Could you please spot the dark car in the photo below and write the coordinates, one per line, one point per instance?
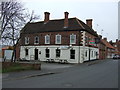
(116, 57)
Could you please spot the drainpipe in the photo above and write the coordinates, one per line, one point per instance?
(79, 48)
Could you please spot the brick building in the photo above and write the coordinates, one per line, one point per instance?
(61, 40)
(102, 49)
(116, 45)
(109, 50)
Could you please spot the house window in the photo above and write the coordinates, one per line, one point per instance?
(26, 40)
(47, 53)
(47, 39)
(115, 45)
(72, 39)
(26, 52)
(36, 40)
(57, 52)
(86, 53)
(58, 39)
(72, 54)
(92, 53)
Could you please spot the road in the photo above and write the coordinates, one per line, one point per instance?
(100, 75)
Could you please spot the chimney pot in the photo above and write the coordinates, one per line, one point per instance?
(46, 19)
(89, 22)
(116, 40)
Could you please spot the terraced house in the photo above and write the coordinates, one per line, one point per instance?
(60, 40)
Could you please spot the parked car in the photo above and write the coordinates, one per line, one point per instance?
(116, 57)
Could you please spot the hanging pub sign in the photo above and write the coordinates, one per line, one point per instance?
(97, 40)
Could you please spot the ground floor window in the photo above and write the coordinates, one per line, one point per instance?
(47, 53)
(26, 52)
(72, 54)
(86, 53)
(57, 52)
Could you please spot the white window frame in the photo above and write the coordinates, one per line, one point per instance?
(71, 39)
(26, 40)
(47, 36)
(35, 40)
(56, 41)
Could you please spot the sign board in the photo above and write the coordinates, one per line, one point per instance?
(97, 40)
(64, 47)
(8, 54)
(91, 42)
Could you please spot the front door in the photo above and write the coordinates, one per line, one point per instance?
(36, 54)
(89, 55)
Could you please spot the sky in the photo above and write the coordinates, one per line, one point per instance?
(103, 12)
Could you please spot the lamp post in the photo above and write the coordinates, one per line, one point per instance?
(102, 31)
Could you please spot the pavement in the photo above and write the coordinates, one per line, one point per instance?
(46, 69)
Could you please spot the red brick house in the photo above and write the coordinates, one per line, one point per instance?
(110, 50)
(61, 40)
(116, 45)
(102, 49)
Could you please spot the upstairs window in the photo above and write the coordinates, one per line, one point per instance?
(26, 40)
(36, 40)
(72, 54)
(57, 52)
(58, 39)
(47, 53)
(47, 39)
(72, 39)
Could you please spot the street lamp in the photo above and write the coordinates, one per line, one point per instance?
(102, 31)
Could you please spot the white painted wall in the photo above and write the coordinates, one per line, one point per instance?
(65, 53)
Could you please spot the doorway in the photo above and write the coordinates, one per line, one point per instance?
(89, 54)
(36, 54)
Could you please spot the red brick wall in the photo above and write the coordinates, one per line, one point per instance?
(65, 39)
(102, 51)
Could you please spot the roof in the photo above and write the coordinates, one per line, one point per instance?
(107, 44)
(57, 25)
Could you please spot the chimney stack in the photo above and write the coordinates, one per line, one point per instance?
(100, 36)
(116, 40)
(46, 19)
(105, 39)
(66, 19)
(89, 22)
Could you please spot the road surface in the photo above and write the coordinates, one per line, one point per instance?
(99, 75)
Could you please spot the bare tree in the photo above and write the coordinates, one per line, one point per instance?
(13, 17)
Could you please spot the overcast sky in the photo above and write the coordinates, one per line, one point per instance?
(103, 12)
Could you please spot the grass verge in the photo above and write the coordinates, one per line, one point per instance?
(16, 67)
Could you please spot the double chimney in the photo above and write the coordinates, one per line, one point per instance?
(47, 15)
